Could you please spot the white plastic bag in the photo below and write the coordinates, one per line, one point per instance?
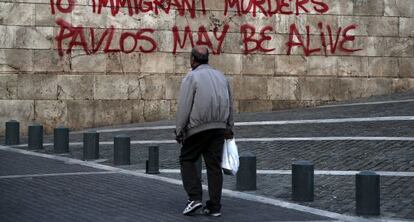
(230, 162)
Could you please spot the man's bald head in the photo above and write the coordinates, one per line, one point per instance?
(200, 54)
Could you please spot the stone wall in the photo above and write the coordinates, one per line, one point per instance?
(74, 63)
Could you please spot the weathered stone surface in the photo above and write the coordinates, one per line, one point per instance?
(399, 47)
(368, 7)
(182, 63)
(255, 105)
(78, 87)
(39, 86)
(114, 87)
(399, 8)
(347, 88)
(157, 63)
(406, 27)
(342, 7)
(153, 87)
(16, 14)
(249, 88)
(8, 87)
(50, 61)
(291, 65)
(371, 46)
(406, 67)
(80, 62)
(322, 66)
(80, 114)
(172, 86)
(258, 64)
(51, 114)
(380, 67)
(314, 88)
(227, 63)
(371, 26)
(173, 108)
(20, 60)
(353, 66)
(156, 110)
(138, 111)
(20, 110)
(34, 37)
(282, 88)
(82, 15)
(111, 112)
(286, 104)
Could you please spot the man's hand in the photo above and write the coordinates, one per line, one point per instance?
(228, 134)
(179, 138)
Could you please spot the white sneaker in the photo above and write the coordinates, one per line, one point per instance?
(192, 206)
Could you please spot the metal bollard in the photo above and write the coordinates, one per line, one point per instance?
(12, 132)
(90, 145)
(246, 176)
(35, 136)
(367, 193)
(122, 149)
(153, 160)
(61, 140)
(302, 181)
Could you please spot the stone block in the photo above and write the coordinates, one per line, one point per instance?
(342, 7)
(290, 65)
(401, 47)
(88, 63)
(155, 110)
(403, 8)
(314, 88)
(82, 15)
(282, 88)
(351, 88)
(227, 63)
(80, 114)
(406, 27)
(249, 88)
(20, 110)
(8, 36)
(34, 37)
(322, 66)
(51, 114)
(371, 46)
(162, 21)
(352, 66)
(173, 109)
(8, 87)
(165, 42)
(400, 85)
(368, 7)
(77, 87)
(113, 87)
(278, 44)
(233, 44)
(123, 63)
(157, 63)
(16, 14)
(182, 63)
(138, 111)
(153, 87)
(172, 87)
(112, 112)
(255, 105)
(258, 64)
(286, 104)
(406, 67)
(45, 18)
(39, 87)
(50, 61)
(17, 60)
(383, 67)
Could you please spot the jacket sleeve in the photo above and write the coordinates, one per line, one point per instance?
(185, 104)
(230, 121)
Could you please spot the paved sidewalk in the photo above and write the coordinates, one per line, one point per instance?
(110, 196)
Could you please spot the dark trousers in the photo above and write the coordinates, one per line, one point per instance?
(208, 143)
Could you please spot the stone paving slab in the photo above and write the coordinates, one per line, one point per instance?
(114, 197)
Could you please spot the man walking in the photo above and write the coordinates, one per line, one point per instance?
(204, 120)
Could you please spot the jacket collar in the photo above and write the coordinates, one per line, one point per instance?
(202, 66)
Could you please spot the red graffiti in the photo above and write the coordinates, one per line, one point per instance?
(203, 39)
(335, 42)
(248, 33)
(272, 7)
(76, 37)
(144, 6)
(69, 9)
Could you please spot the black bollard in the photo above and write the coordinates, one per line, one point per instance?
(61, 140)
(153, 160)
(367, 194)
(302, 181)
(90, 145)
(246, 176)
(12, 132)
(35, 136)
(122, 149)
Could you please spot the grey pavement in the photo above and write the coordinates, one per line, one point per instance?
(332, 193)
